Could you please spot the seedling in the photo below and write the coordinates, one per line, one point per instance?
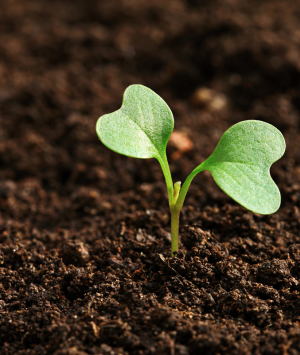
(240, 164)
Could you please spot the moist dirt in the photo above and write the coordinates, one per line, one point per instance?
(85, 263)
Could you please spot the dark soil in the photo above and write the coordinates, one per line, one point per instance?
(85, 232)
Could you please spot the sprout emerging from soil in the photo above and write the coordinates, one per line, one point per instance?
(240, 164)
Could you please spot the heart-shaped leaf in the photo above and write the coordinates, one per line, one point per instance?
(141, 128)
(241, 164)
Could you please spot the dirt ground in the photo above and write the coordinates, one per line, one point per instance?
(85, 263)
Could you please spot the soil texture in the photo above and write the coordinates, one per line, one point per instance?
(85, 263)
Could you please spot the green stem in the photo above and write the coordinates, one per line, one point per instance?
(174, 229)
(186, 185)
(172, 195)
(168, 177)
(179, 197)
(176, 198)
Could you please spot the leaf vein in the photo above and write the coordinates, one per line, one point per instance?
(129, 118)
(255, 183)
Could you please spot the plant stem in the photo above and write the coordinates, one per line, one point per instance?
(168, 177)
(174, 229)
(176, 197)
(175, 208)
(173, 193)
(186, 185)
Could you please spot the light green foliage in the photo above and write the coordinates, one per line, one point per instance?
(240, 163)
(141, 128)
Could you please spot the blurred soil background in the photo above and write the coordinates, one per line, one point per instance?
(84, 232)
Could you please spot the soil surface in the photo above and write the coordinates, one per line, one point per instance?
(85, 263)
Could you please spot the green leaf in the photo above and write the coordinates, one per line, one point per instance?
(241, 165)
(141, 128)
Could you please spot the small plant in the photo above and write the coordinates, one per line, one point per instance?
(240, 164)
